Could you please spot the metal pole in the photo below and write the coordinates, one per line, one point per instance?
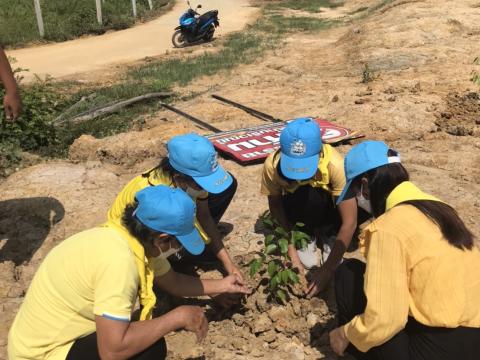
(199, 122)
(134, 8)
(99, 11)
(258, 114)
(150, 4)
(38, 13)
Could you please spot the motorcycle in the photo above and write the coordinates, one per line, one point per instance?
(195, 27)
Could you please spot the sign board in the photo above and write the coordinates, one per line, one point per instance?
(254, 144)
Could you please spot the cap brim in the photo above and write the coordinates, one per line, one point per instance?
(344, 192)
(299, 168)
(192, 242)
(216, 182)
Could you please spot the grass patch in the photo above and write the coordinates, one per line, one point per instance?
(67, 19)
(313, 6)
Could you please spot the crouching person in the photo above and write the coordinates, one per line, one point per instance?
(192, 166)
(418, 295)
(80, 301)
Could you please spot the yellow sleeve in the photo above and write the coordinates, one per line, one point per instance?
(116, 288)
(159, 265)
(336, 172)
(126, 197)
(269, 186)
(386, 289)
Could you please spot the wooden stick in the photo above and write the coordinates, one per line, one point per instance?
(114, 107)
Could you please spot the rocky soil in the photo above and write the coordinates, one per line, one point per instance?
(421, 102)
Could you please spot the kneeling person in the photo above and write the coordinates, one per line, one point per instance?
(192, 166)
(80, 301)
(302, 180)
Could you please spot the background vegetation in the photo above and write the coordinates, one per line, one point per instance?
(67, 19)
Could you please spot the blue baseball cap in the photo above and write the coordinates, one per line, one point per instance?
(195, 156)
(170, 211)
(300, 146)
(363, 157)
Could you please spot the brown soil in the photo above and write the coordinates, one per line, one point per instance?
(421, 55)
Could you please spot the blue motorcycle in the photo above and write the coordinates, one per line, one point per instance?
(195, 27)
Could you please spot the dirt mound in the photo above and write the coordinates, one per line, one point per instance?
(262, 328)
(462, 114)
(128, 148)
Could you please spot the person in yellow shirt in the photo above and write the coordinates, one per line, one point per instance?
(418, 295)
(301, 180)
(80, 302)
(191, 165)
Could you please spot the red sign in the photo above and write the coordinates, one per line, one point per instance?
(256, 143)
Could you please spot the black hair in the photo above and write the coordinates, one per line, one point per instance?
(139, 231)
(382, 181)
(167, 168)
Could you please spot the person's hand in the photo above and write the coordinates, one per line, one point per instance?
(227, 300)
(193, 319)
(338, 341)
(319, 281)
(234, 284)
(234, 270)
(12, 105)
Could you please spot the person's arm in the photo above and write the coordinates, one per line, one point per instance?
(11, 100)
(277, 210)
(184, 285)
(386, 288)
(348, 215)
(216, 244)
(118, 340)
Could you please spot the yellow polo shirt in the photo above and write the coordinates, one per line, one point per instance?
(91, 273)
(412, 270)
(150, 178)
(333, 180)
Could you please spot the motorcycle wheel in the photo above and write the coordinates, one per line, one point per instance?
(178, 39)
(209, 35)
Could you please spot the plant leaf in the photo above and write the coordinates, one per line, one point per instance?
(284, 277)
(282, 295)
(283, 243)
(274, 281)
(281, 231)
(255, 266)
(270, 249)
(293, 277)
(272, 268)
(268, 239)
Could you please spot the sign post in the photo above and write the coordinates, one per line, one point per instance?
(134, 8)
(38, 13)
(99, 11)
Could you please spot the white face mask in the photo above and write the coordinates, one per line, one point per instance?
(193, 193)
(364, 203)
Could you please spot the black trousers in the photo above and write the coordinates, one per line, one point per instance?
(217, 204)
(416, 341)
(312, 206)
(86, 349)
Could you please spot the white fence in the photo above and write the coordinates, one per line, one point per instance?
(98, 3)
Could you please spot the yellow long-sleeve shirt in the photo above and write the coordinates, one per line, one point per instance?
(412, 270)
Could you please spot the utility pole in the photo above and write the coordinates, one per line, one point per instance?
(99, 11)
(38, 13)
(134, 8)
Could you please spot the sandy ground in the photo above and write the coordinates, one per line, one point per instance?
(421, 103)
(145, 40)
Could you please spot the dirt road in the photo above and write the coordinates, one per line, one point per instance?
(149, 39)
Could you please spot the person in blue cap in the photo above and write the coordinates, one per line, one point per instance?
(191, 165)
(80, 302)
(302, 180)
(418, 295)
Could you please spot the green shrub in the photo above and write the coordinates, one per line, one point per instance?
(273, 261)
